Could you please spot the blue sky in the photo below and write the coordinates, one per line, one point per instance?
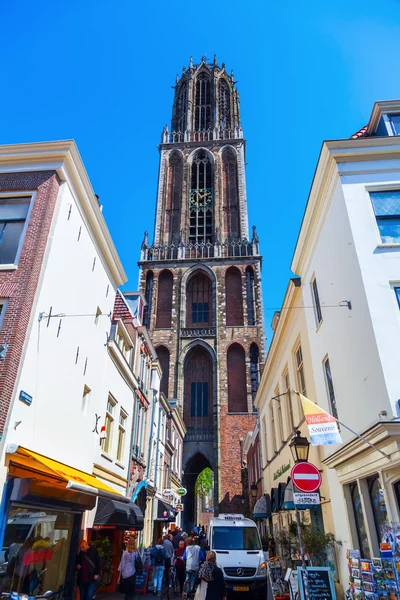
(101, 73)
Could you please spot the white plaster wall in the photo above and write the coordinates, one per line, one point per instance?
(55, 424)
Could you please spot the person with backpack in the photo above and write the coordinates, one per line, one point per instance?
(130, 566)
(157, 554)
(193, 556)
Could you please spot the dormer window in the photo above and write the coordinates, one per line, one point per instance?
(395, 123)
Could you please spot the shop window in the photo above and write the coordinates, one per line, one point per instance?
(237, 388)
(234, 297)
(359, 521)
(164, 301)
(163, 357)
(33, 567)
(109, 422)
(121, 435)
(378, 504)
(13, 214)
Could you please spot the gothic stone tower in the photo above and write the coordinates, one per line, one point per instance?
(202, 281)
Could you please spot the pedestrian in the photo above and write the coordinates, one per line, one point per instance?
(157, 554)
(88, 566)
(127, 570)
(177, 538)
(180, 565)
(193, 556)
(211, 574)
(169, 552)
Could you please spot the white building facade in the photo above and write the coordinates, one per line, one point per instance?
(348, 258)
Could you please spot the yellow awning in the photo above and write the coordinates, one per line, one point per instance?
(20, 457)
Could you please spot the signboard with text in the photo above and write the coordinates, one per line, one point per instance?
(306, 499)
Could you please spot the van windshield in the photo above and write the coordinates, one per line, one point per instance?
(236, 538)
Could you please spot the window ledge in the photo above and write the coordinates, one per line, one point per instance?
(388, 246)
(319, 325)
(119, 464)
(107, 456)
(8, 267)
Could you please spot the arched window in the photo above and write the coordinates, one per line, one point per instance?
(230, 194)
(377, 503)
(254, 369)
(148, 294)
(359, 520)
(164, 300)
(163, 357)
(233, 295)
(224, 104)
(181, 109)
(199, 307)
(251, 313)
(201, 199)
(202, 119)
(174, 196)
(237, 389)
(198, 389)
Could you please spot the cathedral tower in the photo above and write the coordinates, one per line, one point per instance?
(202, 281)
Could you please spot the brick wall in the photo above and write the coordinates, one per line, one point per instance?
(19, 286)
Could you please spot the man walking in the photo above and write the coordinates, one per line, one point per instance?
(169, 552)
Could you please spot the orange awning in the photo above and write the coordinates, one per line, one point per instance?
(19, 458)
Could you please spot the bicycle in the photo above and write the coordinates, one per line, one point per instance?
(172, 582)
(49, 595)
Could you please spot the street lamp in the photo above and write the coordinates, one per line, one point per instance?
(299, 447)
(253, 491)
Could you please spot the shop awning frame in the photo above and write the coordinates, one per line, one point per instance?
(119, 515)
(262, 508)
(22, 460)
(164, 507)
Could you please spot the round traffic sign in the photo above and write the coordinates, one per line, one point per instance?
(306, 477)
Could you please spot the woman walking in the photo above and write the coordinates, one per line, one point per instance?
(212, 575)
(158, 560)
(127, 569)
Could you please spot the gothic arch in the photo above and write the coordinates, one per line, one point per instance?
(181, 363)
(184, 285)
(250, 296)
(199, 300)
(202, 101)
(163, 354)
(165, 286)
(230, 193)
(234, 297)
(237, 379)
(198, 389)
(173, 199)
(190, 156)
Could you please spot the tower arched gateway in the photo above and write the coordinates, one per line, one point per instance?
(202, 279)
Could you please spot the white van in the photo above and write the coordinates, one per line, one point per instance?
(237, 544)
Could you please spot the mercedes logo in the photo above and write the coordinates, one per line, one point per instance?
(240, 572)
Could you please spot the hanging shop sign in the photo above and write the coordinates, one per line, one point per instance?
(281, 471)
(167, 492)
(306, 477)
(181, 491)
(179, 507)
(24, 397)
(306, 499)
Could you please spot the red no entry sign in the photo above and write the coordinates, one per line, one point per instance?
(306, 477)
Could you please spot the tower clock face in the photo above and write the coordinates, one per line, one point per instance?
(201, 198)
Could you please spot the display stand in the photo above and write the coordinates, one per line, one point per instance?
(373, 579)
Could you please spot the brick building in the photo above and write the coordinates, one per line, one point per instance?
(202, 280)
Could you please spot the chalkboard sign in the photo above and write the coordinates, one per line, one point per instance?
(141, 581)
(320, 583)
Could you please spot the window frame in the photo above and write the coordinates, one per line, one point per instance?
(396, 216)
(109, 418)
(128, 348)
(12, 196)
(272, 422)
(85, 397)
(288, 398)
(396, 287)
(4, 304)
(123, 415)
(330, 392)
(299, 368)
(316, 301)
(279, 417)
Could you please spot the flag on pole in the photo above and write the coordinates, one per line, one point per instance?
(322, 426)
